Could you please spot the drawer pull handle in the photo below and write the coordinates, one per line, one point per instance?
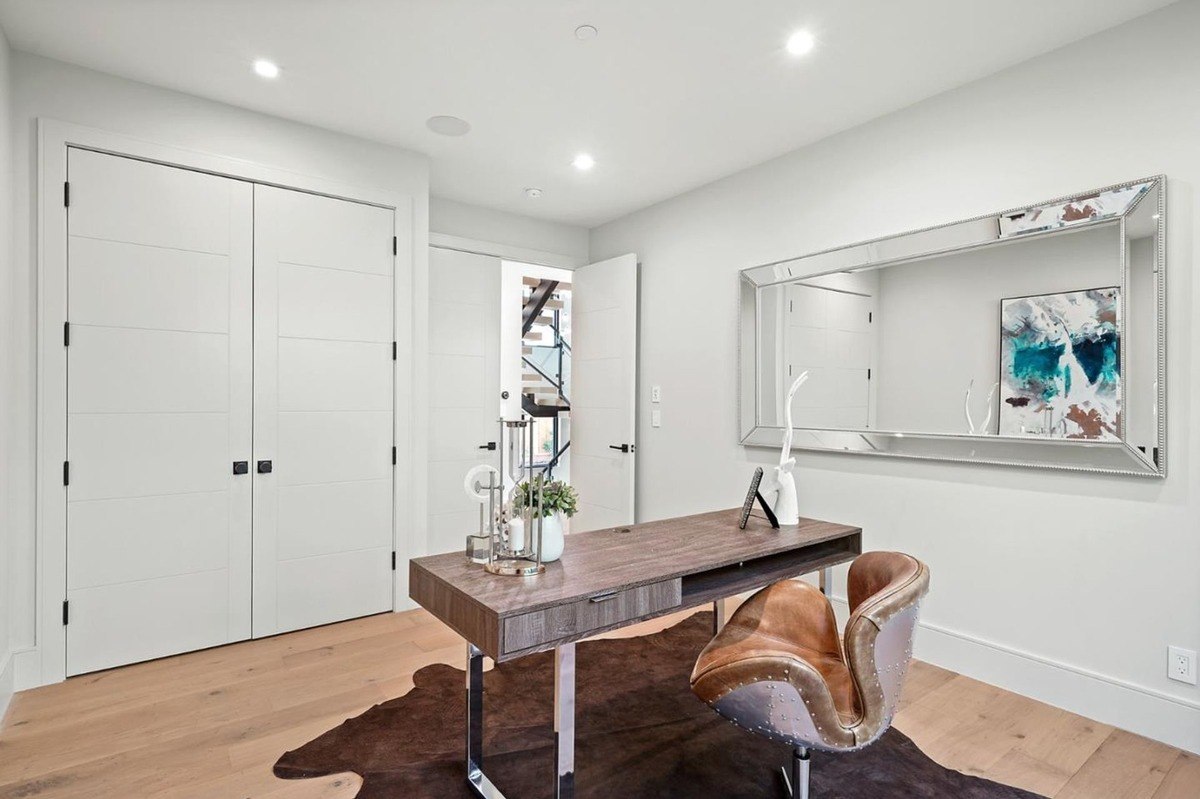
(604, 597)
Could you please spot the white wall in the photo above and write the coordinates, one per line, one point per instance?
(1066, 587)
(7, 386)
(51, 89)
(451, 218)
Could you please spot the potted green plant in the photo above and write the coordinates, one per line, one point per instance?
(558, 500)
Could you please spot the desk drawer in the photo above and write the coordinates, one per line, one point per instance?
(578, 619)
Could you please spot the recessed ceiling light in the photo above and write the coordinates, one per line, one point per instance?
(800, 43)
(583, 162)
(266, 69)
(448, 126)
(585, 32)
(533, 193)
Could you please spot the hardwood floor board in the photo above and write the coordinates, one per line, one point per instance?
(1126, 766)
(211, 724)
(203, 754)
(1183, 780)
(922, 678)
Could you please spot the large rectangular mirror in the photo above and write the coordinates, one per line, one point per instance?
(1030, 337)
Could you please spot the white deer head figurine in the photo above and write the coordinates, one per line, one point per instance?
(982, 430)
(787, 506)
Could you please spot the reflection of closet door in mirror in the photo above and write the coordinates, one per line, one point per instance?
(158, 408)
(323, 412)
(464, 387)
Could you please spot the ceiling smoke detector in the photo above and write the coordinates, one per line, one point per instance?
(533, 193)
(448, 126)
(585, 32)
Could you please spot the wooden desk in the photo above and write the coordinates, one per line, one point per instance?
(608, 579)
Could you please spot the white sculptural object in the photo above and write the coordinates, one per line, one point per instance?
(787, 505)
(982, 430)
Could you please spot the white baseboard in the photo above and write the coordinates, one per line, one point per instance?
(1122, 704)
(6, 684)
(27, 669)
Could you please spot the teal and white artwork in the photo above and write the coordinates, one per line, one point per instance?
(1060, 365)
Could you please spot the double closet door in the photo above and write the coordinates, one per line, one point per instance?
(229, 410)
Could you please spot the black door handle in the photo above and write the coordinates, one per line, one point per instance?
(241, 467)
(622, 447)
(264, 467)
(490, 446)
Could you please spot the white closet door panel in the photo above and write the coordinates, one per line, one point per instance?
(849, 311)
(334, 446)
(123, 540)
(605, 426)
(142, 454)
(120, 199)
(165, 616)
(849, 349)
(446, 493)
(334, 234)
(130, 285)
(323, 410)
(359, 513)
(807, 305)
(464, 387)
(455, 435)
(332, 304)
(448, 531)
(458, 380)
(329, 588)
(122, 370)
(319, 375)
(453, 332)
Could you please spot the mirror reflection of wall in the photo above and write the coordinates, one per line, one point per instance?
(940, 321)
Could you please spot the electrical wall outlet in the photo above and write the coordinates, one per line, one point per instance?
(656, 393)
(1181, 664)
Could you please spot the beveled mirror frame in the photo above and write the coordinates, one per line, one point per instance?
(1107, 457)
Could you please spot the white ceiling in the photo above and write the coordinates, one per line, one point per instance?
(672, 94)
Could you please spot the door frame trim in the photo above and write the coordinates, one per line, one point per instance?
(410, 322)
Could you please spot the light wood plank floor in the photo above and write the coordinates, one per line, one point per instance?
(211, 724)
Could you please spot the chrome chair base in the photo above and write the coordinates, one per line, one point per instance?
(797, 784)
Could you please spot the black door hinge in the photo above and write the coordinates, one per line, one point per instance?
(870, 317)
(66, 613)
(393, 350)
(395, 246)
(393, 560)
(66, 334)
(66, 194)
(868, 374)
(393, 456)
(66, 473)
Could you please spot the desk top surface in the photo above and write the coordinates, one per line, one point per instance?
(616, 558)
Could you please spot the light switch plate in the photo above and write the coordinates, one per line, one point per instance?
(656, 418)
(656, 393)
(1181, 664)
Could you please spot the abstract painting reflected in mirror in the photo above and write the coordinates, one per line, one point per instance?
(1060, 374)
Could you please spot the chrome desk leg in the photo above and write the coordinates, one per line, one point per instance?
(564, 724)
(479, 781)
(827, 582)
(720, 615)
(564, 721)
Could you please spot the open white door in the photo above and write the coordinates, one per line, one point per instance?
(603, 393)
(464, 387)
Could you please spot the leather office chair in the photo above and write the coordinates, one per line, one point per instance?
(777, 668)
